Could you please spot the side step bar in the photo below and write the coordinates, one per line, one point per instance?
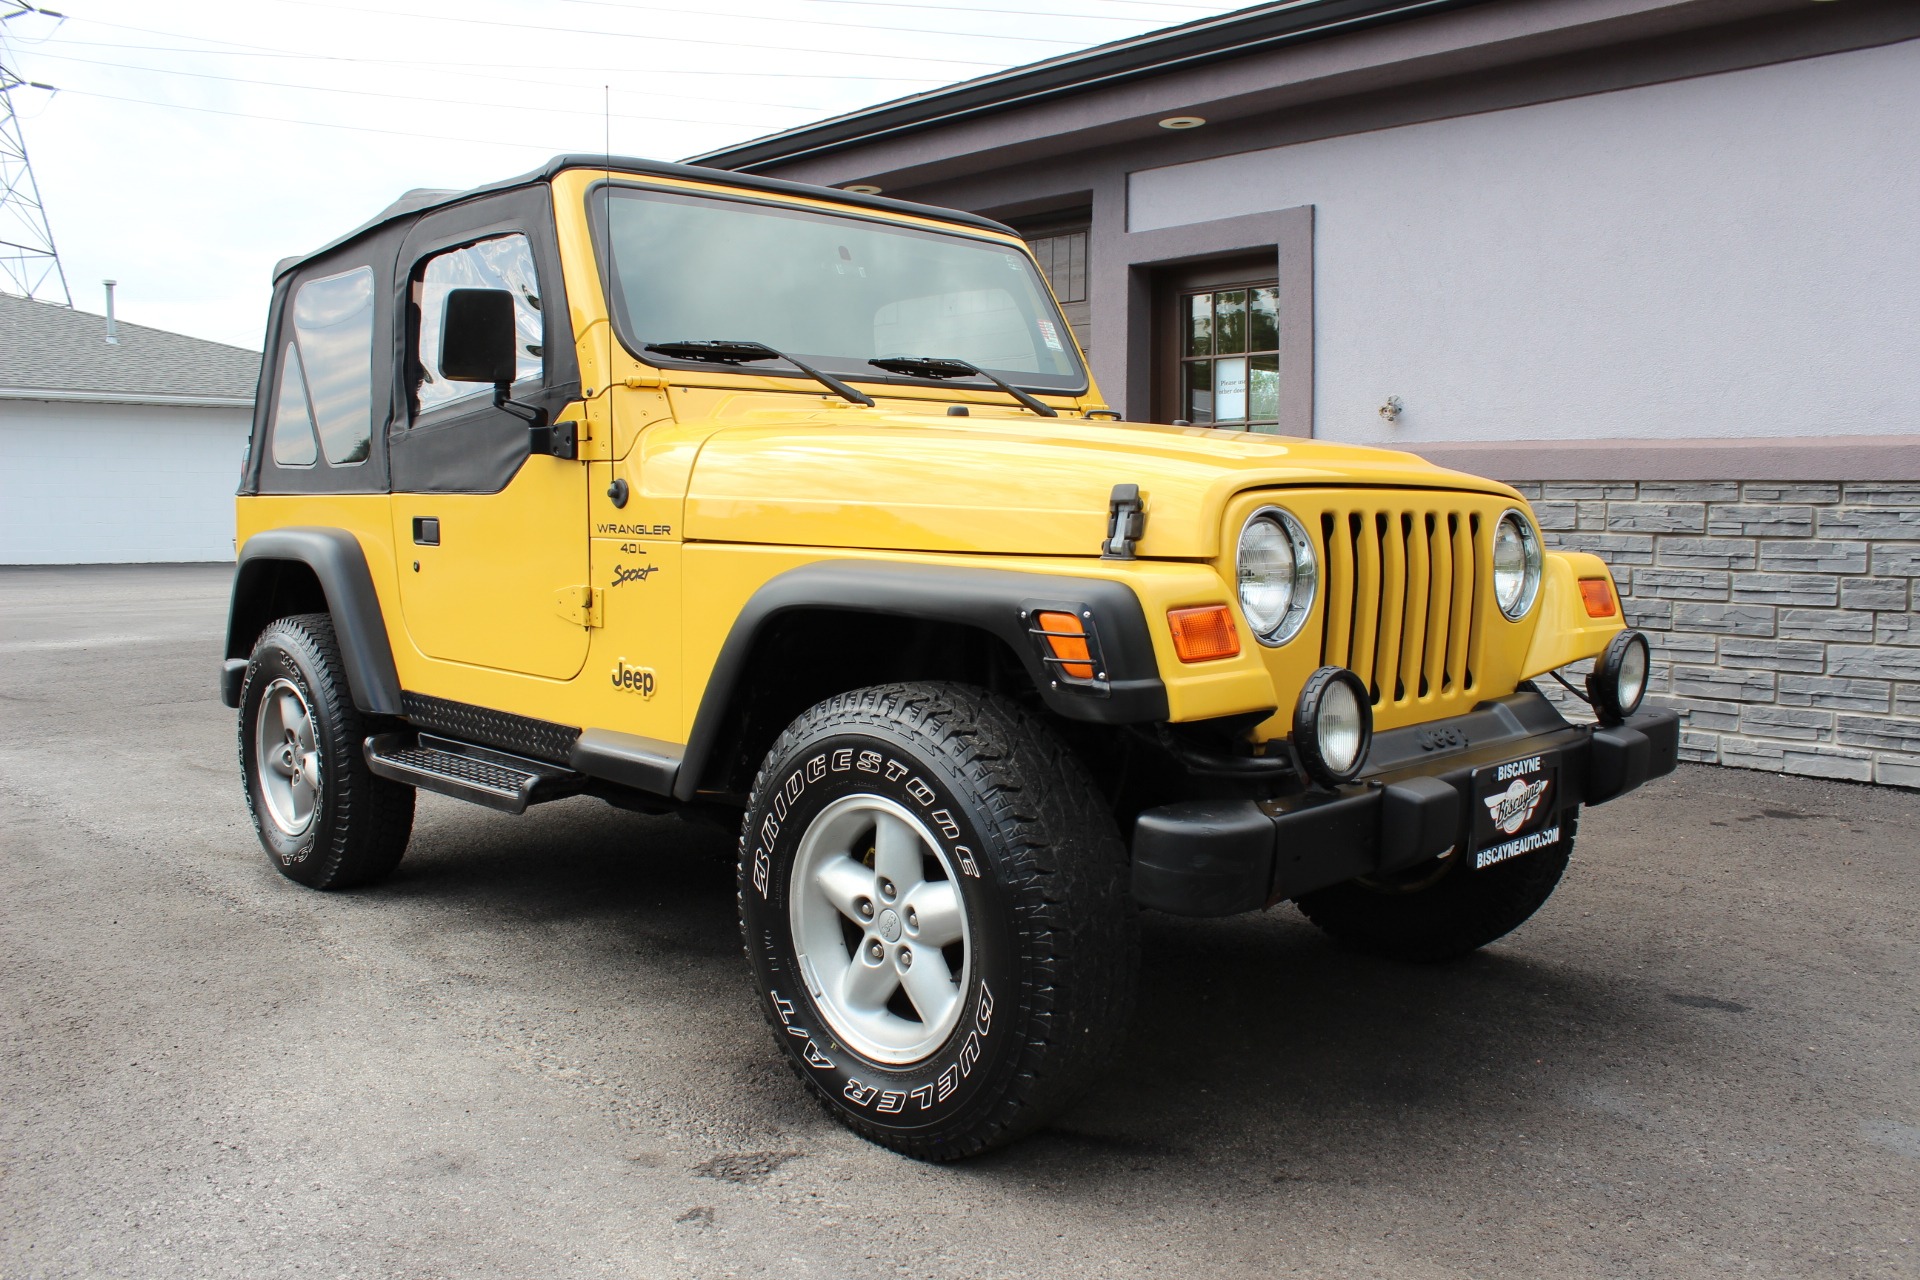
(482, 775)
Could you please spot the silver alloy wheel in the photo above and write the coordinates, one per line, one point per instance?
(880, 929)
(287, 757)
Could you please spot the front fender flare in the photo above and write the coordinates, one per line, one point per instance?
(990, 600)
(339, 563)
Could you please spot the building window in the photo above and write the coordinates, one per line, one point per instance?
(1230, 357)
(1061, 252)
(1064, 258)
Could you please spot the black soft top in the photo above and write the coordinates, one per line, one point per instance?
(422, 199)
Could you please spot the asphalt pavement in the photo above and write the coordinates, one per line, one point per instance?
(535, 1052)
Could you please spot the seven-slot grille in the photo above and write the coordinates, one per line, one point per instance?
(1403, 597)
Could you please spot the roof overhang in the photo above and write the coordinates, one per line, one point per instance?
(56, 396)
(1247, 31)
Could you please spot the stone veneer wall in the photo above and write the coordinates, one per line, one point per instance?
(1784, 616)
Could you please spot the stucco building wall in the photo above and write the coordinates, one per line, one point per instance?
(1729, 256)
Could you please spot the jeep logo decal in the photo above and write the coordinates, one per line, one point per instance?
(638, 680)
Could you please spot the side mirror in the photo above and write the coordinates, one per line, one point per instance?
(478, 341)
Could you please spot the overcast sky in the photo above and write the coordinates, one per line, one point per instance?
(192, 144)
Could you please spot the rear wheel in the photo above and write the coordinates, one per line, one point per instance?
(933, 903)
(323, 817)
(1439, 912)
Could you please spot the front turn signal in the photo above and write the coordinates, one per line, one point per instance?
(1597, 593)
(1203, 634)
(1066, 638)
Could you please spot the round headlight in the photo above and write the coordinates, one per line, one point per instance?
(1333, 725)
(1619, 678)
(1278, 575)
(1516, 565)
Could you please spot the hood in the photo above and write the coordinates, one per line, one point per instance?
(1009, 484)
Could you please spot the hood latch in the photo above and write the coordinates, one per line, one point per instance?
(1126, 523)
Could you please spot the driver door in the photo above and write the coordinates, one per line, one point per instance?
(491, 537)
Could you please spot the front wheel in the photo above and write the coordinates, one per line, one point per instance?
(933, 903)
(1441, 911)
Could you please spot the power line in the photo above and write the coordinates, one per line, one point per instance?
(253, 51)
(1006, 13)
(857, 26)
(317, 124)
(414, 97)
(629, 35)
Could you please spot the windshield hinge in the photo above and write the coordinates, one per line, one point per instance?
(578, 605)
(1126, 522)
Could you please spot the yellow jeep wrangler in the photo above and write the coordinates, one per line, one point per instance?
(719, 495)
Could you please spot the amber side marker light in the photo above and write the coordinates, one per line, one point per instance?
(1067, 639)
(1598, 595)
(1204, 633)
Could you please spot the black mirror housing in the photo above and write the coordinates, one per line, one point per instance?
(478, 340)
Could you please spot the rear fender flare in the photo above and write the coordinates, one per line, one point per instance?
(340, 564)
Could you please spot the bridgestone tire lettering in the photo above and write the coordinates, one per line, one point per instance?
(1033, 853)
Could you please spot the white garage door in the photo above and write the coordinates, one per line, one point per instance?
(115, 484)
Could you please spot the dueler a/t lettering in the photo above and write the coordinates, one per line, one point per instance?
(701, 492)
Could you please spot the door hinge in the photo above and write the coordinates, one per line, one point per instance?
(579, 605)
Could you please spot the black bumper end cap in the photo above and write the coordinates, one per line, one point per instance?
(1623, 756)
(233, 674)
(1203, 858)
(1418, 821)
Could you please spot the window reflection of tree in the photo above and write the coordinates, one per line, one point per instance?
(502, 262)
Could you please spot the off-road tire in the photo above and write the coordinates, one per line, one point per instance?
(1052, 937)
(1423, 918)
(360, 822)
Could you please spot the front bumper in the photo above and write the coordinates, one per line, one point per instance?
(1222, 857)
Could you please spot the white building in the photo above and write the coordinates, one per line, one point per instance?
(115, 452)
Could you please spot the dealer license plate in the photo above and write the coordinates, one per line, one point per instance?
(1516, 808)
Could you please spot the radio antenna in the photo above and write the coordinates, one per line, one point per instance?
(606, 243)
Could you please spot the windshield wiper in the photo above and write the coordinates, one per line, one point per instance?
(723, 351)
(935, 367)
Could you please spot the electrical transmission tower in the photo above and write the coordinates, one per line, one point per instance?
(29, 264)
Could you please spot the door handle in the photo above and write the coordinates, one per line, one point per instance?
(426, 531)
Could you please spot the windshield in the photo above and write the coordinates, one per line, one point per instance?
(836, 291)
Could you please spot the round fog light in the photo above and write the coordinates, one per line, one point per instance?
(1333, 725)
(1619, 679)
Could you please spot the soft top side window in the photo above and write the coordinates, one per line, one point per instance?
(333, 329)
(500, 262)
(292, 427)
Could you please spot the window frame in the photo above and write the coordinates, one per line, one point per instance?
(370, 474)
(1181, 297)
(469, 445)
(415, 418)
